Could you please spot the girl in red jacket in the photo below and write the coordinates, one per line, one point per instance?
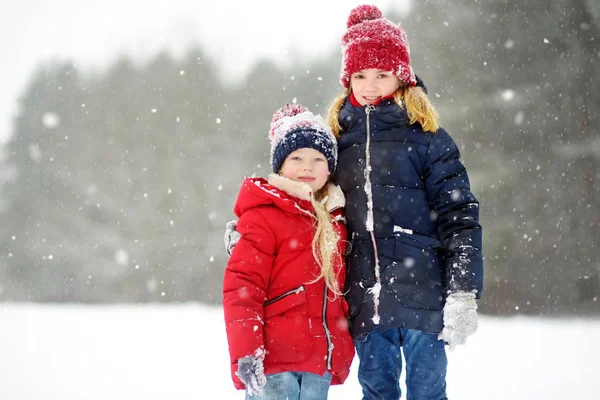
(285, 315)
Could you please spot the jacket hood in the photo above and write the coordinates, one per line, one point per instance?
(286, 194)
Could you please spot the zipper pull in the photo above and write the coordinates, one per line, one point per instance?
(369, 108)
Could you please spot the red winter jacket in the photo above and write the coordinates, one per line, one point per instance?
(268, 300)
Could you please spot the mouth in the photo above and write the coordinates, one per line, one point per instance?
(306, 179)
(371, 99)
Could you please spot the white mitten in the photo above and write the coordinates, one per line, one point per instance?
(231, 237)
(251, 373)
(460, 318)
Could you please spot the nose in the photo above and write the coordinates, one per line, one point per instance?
(307, 166)
(370, 84)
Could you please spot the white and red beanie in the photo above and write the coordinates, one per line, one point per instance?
(293, 127)
(372, 41)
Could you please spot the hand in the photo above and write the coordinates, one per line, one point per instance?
(460, 318)
(232, 236)
(251, 373)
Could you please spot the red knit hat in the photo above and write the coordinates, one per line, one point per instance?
(372, 41)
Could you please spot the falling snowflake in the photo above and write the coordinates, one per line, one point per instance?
(50, 120)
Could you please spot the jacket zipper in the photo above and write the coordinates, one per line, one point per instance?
(367, 187)
(327, 332)
(370, 224)
(281, 296)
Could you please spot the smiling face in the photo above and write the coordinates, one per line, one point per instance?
(306, 165)
(370, 85)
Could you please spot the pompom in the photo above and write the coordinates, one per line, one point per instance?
(363, 13)
(289, 110)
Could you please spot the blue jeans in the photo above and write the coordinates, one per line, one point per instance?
(381, 362)
(294, 386)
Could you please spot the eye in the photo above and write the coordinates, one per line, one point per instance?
(297, 158)
(383, 76)
(359, 76)
(319, 159)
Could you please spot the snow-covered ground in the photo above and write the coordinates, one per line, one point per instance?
(152, 352)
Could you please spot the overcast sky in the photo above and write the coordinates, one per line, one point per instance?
(93, 33)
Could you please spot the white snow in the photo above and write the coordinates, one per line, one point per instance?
(403, 230)
(507, 94)
(50, 120)
(122, 257)
(156, 352)
(519, 118)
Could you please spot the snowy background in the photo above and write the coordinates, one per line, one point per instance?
(496, 71)
(180, 352)
(93, 34)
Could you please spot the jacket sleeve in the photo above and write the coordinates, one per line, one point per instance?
(456, 213)
(245, 283)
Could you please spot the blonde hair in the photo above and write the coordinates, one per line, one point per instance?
(418, 108)
(325, 244)
(334, 112)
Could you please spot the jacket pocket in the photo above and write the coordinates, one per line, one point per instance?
(416, 276)
(287, 336)
(285, 301)
(413, 250)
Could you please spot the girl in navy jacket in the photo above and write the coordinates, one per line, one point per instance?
(415, 267)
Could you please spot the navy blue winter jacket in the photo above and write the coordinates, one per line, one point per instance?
(425, 220)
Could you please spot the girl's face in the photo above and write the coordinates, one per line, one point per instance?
(306, 165)
(370, 85)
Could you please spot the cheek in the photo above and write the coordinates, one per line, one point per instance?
(324, 173)
(390, 89)
(393, 85)
(287, 171)
(358, 97)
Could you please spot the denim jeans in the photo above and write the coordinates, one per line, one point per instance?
(294, 386)
(381, 362)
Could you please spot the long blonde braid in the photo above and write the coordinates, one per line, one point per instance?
(325, 244)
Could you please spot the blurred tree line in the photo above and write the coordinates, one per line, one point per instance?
(117, 185)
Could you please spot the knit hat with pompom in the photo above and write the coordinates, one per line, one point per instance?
(293, 127)
(372, 41)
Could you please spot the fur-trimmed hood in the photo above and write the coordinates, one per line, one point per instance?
(289, 195)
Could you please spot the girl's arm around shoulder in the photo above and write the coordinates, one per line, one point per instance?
(336, 201)
(335, 198)
(456, 213)
(245, 284)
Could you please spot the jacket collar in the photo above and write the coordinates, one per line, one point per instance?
(333, 200)
(387, 113)
(300, 190)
